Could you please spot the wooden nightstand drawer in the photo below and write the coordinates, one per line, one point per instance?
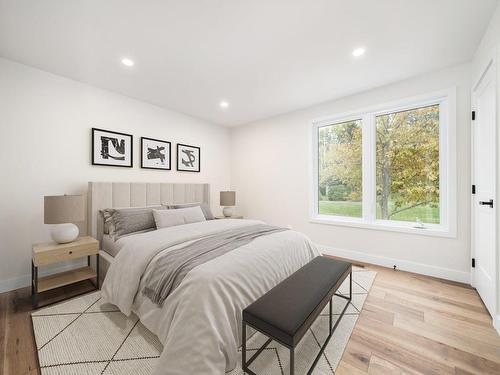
(51, 253)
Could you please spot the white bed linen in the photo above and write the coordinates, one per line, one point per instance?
(111, 246)
(200, 322)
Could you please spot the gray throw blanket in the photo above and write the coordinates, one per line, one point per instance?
(171, 267)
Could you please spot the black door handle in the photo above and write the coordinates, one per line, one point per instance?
(489, 203)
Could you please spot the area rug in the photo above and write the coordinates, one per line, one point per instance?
(86, 336)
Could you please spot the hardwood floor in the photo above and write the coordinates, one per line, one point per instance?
(410, 324)
(17, 345)
(413, 324)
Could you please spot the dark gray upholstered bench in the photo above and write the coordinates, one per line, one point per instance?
(288, 310)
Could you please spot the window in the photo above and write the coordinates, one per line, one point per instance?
(408, 165)
(340, 169)
(389, 167)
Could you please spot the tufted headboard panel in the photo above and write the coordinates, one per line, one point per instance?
(103, 195)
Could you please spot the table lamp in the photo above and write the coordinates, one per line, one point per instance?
(64, 210)
(227, 199)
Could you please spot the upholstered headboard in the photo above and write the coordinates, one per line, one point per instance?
(103, 195)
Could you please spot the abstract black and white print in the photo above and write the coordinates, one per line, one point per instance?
(188, 158)
(111, 148)
(155, 154)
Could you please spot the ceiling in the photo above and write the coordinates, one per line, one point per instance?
(264, 57)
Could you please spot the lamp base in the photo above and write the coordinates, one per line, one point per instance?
(64, 233)
(227, 211)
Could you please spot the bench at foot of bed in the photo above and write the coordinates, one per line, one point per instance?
(286, 312)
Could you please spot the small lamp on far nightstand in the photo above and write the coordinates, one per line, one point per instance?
(228, 200)
(64, 210)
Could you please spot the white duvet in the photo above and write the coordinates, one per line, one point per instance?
(200, 322)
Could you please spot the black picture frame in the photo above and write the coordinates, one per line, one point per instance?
(169, 154)
(131, 151)
(179, 159)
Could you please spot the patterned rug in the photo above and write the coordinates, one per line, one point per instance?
(86, 336)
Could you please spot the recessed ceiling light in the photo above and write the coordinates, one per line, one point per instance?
(127, 62)
(224, 104)
(358, 52)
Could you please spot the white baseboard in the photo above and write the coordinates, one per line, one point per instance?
(496, 323)
(424, 269)
(25, 280)
(404, 265)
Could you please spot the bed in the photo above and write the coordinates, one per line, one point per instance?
(198, 321)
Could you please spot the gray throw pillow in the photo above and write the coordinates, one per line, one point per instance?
(207, 212)
(121, 221)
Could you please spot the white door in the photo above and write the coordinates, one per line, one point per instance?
(484, 201)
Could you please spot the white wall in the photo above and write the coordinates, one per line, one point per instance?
(271, 172)
(45, 123)
(489, 44)
(490, 48)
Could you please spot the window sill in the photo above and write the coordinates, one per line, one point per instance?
(432, 230)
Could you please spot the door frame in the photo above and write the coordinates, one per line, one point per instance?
(491, 65)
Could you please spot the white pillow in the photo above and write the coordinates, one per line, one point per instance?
(170, 218)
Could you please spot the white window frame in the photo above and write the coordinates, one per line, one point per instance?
(447, 166)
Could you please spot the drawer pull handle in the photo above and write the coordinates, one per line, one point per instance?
(70, 252)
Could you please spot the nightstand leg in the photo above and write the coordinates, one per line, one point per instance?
(35, 280)
(97, 270)
(32, 278)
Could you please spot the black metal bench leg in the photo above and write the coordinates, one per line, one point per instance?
(292, 361)
(244, 346)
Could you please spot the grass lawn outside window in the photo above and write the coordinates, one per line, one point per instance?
(426, 214)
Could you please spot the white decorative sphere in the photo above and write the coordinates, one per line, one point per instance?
(64, 233)
(227, 211)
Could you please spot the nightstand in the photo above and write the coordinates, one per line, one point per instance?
(49, 253)
(230, 217)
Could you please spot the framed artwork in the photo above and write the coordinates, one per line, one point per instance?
(111, 148)
(188, 158)
(155, 154)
